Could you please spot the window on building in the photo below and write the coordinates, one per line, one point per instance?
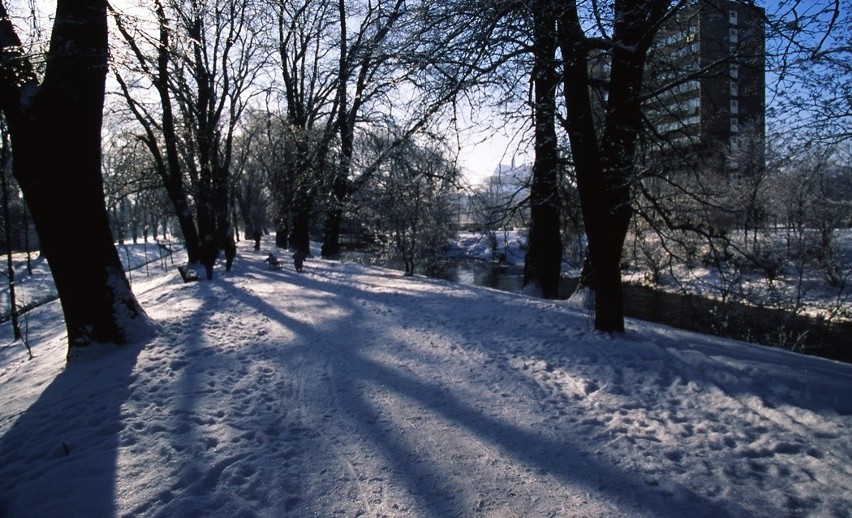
(735, 71)
(735, 106)
(735, 89)
(734, 35)
(732, 17)
(735, 125)
(735, 144)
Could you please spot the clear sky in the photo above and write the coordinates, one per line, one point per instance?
(490, 141)
(480, 160)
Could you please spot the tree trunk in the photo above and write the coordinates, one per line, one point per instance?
(585, 150)
(605, 169)
(282, 235)
(62, 117)
(334, 214)
(7, 228)
(300, 236)
(331, 232)
(544, 257)
(340, 191)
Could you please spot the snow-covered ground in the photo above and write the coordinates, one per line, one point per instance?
(355, 391)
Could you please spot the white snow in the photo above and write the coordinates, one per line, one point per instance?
(355, 391)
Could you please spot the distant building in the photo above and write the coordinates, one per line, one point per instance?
(707, 70)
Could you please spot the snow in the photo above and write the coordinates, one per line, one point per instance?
(349, 390)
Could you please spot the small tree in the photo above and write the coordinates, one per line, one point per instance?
(5, 162)
(500, 202)
(410, 204)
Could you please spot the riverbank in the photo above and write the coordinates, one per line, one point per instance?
(692, 299)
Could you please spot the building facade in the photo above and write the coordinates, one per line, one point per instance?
(706, 84)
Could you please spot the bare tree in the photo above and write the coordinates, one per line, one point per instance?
(135, 198)
(604, 153)
(306, 45)
(405, 64)
(362, 56)
(205, 65)
(410, 202)
(499, 202)
(159, 129)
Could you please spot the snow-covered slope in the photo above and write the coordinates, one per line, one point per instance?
(348, 391)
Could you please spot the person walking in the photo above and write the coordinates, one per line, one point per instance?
(230, 252)
(299, 259)
(209, 253)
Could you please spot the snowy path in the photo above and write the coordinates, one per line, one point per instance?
(348, 391)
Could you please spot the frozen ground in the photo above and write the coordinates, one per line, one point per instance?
(355, 391)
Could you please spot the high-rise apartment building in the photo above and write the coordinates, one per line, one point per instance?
(707, 71)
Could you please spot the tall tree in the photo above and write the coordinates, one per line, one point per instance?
(305, 44)
(403, 64)
(61, 116)
(603, 145)
(163, 146)
(359, 61)
(204, 65)
(544, 255)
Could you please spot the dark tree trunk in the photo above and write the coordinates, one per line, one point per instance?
(62, 117)
(300, 236)
(282, 225)
(282, 235)
(605, 169)
(331, 232)
(221, 204)
(341, 187)
(544, 256)
(334, 214)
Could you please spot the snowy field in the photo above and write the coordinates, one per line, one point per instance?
(355, 391)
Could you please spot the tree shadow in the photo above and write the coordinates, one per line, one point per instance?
(322, 385)
(65, 445)
(347, 343)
